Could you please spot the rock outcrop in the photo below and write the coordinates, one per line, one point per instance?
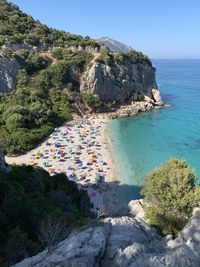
(3, 165)
(8, 74)
(124, 241)
(136, 209)
(118, 83)
(157, 97)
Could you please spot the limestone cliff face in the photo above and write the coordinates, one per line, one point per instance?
(8, 74)
(110, 82)
(124, 241)
(118, 83)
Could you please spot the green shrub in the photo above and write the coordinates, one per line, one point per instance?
(31, 61)
(138, 57)
(170, 194)
(105, 56)
(138, 96)
(58, 53)
(29, 196)
(22, 78)
(7, 52)
(17, 27)
(133, 57)
(91, 100)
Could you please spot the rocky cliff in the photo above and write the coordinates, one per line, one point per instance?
(117, 82)
(3, 165)
(124, 241)
(112, 82)
(8, 74)
(114, 75)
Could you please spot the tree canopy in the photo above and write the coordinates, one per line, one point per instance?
(28, 197)
(170, 194)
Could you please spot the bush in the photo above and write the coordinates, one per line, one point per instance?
(170, 195)
(91, 100)
(105, 56)
(17, 27)
(7, 52)
(58, 53)
(138, 96)
(22, 78)
(138, 57)
(31, 61)
(133, 57)
(29, 197)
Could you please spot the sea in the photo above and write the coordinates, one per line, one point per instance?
(142, 143)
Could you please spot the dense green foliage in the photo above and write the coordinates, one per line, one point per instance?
(170, 195)
(73, 59)
(41, 102)
(27, 197)
(105, 56)
(16, 27)
(32, 61)
(91, 100)
(29, 114)
(47, 83)
(46, 88)
(133, 57)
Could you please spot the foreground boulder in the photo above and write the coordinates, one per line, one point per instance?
(124, 241)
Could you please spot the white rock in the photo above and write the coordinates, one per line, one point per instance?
(157, 97)
(124, 242)
(136, 209)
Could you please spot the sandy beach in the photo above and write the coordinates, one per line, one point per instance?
(82, 150)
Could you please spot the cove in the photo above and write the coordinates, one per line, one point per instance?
(144, 142)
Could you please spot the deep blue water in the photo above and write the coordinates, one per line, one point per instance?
(144, 142)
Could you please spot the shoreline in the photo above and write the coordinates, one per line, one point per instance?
(105, 191)
(80, 149)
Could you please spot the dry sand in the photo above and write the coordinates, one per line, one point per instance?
(82, 150)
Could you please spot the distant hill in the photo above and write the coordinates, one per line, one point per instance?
(114, 45)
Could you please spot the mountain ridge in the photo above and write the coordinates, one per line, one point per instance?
(114, 45)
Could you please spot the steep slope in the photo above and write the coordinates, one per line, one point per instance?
(119, 77)
(47, 75)
(124, 242)
(32, 202)
(114, 45)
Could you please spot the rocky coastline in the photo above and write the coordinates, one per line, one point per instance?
(136, 107)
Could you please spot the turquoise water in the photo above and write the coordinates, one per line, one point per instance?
(144, 142)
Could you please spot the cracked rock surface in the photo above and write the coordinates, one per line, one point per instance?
(127, 242)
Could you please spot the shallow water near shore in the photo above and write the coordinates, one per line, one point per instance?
(144, 142)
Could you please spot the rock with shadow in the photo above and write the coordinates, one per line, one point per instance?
(124, 242)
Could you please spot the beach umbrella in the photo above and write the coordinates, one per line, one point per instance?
(84, 167)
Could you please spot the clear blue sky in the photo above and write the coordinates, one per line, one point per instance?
(159, 28)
